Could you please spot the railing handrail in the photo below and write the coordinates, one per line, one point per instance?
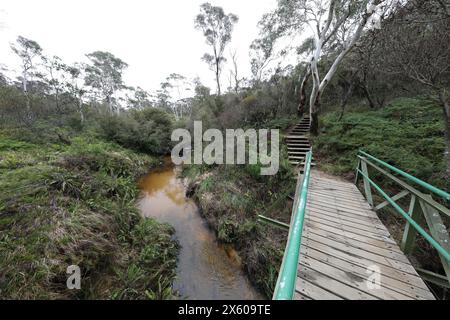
(285, 286)
(422, 183)
(411, 221)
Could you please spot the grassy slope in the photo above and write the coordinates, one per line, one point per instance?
(409, 134)
(63, 205)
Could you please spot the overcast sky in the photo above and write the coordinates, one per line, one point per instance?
(155, 38)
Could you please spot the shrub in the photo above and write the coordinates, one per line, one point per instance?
(146, 130)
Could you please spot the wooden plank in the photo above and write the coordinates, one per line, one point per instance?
(341, 222)
(351, 250)
(398, 196)
(352, 280)
(299, 296)
(333, 197)
(324, 281)
(357, 247)
(357, 237)
(311, 291)
(342, 208)
(337, 193)
(338, 203)
(356, 218)
(385, 281)
(413, 280)
(314, 224)
(438, 231)
(361, 245)
(321, 192)
(348, 217)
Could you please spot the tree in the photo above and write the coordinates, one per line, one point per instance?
(262, 49)
(27, 50)
(140, 99)
(217, 28)
(416, 43)
(105, 75)
(336, 25)
(234, 72)
(76, 88)
(56, 72)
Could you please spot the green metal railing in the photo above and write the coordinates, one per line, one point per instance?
(420, 205)
(284, 289)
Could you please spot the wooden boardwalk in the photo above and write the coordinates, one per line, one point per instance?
(343, 240)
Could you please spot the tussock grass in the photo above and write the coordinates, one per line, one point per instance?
(75, 204)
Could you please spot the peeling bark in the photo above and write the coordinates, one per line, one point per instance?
(302, 102)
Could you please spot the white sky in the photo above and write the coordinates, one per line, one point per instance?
(155, 38)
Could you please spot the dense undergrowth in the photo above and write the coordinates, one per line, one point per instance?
(74, 204)
(408, 134)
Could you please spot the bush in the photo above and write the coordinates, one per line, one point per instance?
(146, 130)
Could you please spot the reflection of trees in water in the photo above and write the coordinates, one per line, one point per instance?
(176, 194)
(204, 267)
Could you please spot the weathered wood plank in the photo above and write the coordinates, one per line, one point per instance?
(332, 285)
(352, 280)
(387, 280)
(311, 291)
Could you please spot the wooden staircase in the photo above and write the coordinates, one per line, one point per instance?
(298, 144)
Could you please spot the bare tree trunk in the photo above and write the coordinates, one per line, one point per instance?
(302, 102)
(345, 99)
(218, 76)
(25, 92)
(80, 109)
(446, 110)
(314, 114)
(368, 96)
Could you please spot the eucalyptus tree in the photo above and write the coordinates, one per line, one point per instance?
(55, 77)
(140, 98)
(105, 75)
(415, 41)
(172, 94)
(234, 74)
(217, 27)
(27, 50)
(76, 87)
(336, 26)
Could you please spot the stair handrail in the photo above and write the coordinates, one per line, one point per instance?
(285, 286)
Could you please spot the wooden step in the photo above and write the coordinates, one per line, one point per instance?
(293, 162)
(305, 146)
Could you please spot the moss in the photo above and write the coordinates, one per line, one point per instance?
(63, 205)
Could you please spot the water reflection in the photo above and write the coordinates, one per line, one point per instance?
(205, 269)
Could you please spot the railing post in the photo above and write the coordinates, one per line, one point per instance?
(366, 183)
(357, 172)
(409, 235)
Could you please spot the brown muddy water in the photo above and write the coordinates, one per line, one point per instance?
(206, 270)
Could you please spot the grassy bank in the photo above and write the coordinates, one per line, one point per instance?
(74, 204)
